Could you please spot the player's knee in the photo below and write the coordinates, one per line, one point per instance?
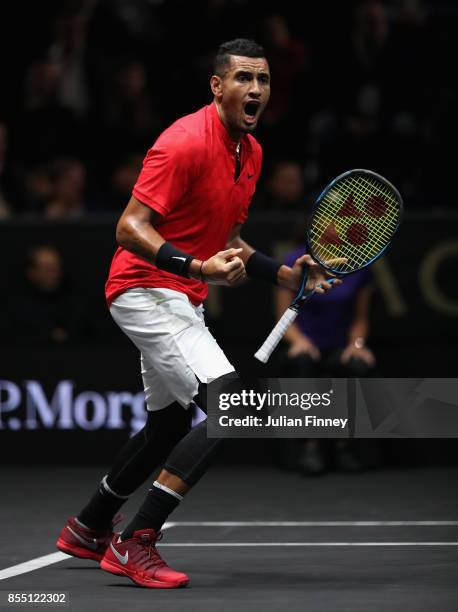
(191, 458)
(228, 382)
(173, 421)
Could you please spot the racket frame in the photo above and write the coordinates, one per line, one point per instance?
(275, 336)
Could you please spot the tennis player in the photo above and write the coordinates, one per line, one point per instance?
(179, 232)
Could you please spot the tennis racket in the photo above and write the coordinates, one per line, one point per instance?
(353, 221)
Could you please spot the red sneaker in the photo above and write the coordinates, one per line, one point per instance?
(138, 559)
(83, 542)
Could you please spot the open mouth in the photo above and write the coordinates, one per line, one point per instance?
(251, 110)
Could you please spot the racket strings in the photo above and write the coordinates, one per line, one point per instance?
(364, 194)
(380, 228)
(356, 219)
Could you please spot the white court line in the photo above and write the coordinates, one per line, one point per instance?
(247, 544)
(33, 564)
(311, 524)
(37, 563)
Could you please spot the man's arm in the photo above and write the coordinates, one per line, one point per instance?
(282, 275)
(359, 330)
(136, 233)
(236, 242)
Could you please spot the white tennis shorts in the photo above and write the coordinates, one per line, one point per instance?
(177, 349)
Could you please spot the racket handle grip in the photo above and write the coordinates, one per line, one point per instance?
(266, 350)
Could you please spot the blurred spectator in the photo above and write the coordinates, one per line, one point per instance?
(123, 180)
(46, 311)
(328, 339)
(38, 189)
(45, 129)
(370, 87)
(68, 181)
(382, 114)
(370, 112)
(68, 54)
(284, 189)
(5, 205)
(287, 60)
(131, 119)
(116, 191)
(56, 190)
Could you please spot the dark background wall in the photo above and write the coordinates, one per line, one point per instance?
(54, 400)
(88, 85)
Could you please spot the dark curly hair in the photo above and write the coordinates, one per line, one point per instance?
(240, 46)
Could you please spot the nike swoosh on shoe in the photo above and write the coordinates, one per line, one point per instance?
(121, 558)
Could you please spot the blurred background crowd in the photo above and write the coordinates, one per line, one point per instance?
(88, 85)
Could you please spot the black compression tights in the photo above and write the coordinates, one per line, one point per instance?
(192, 456)
(167, 436)
(148, 448)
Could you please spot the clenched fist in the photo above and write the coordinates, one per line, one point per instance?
(224, 268)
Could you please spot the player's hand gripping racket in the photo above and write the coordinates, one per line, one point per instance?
(353, 221)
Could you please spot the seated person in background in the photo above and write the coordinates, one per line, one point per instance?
(285, 187)
(67, 199)
(44, 309)
(328, 339)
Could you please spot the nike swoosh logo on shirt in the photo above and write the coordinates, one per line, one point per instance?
(180, 258)
(92, 543)
(121, 558)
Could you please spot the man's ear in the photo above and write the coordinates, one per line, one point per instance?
(216, 84)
